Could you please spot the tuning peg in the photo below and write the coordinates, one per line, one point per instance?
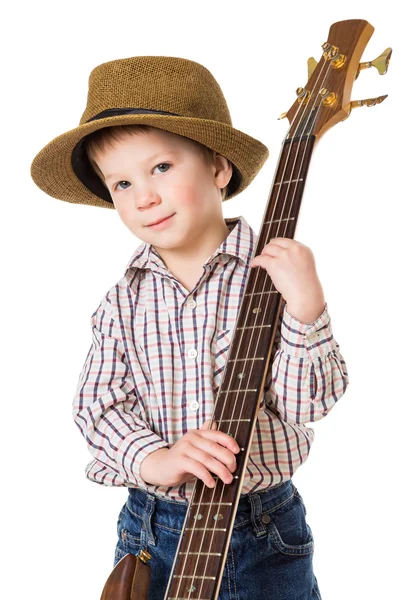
(381, 63)
(311, 64)
(282, 116)
(368, 102)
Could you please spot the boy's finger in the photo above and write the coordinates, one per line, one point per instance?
(206, 425)
(224, 439)
(199, 470)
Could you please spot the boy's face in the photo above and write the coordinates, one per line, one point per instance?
(157, 174)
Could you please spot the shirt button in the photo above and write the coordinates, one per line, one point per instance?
(192, 353)
(191, 303)
(313, 336)
(194, 405)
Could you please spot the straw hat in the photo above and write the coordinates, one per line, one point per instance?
(174, 94)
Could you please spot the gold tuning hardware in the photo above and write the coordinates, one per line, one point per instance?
(303, 95)
(332, 53)
(282, 116)
(144, 556)
(381, 63)
(311, 64)
(368, 102)
(328, 98)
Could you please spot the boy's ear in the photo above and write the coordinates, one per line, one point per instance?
(223, 170)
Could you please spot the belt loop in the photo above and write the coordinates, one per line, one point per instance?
(147, 534)
(259, 527)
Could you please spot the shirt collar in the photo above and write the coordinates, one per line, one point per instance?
(238, 243)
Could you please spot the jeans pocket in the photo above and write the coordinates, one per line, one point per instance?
(129, 525)
(289, 531)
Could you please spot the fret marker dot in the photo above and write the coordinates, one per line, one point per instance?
(198, 517)
(218, 517)
(241, 375)
(192, 588)
(256, 310)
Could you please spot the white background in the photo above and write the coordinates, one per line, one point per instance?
(59, 259)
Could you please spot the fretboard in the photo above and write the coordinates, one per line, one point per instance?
(203, 546)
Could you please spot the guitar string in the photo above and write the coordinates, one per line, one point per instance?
(266, 306)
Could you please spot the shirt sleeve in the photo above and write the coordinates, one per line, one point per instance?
(105, 407)
(308, 374)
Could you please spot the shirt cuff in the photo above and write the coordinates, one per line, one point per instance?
(133, 450)
(307, 340)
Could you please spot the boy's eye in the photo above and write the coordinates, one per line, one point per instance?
(163, 164)
(156, 167)
(116, 187)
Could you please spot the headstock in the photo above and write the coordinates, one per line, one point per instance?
(325, 100)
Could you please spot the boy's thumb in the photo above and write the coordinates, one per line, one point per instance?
(206, 425)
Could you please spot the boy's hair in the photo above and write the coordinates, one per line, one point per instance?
(98, 140)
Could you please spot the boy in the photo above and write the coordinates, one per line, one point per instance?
(156, 143)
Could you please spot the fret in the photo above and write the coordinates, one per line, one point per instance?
(205, 529)
(243, 390)
(191, 576)
(237, 359)
(289, 181)
(232, 420)
(203, 553)
(267, 292)
(219, 503)
(253, 326)
(279, 220)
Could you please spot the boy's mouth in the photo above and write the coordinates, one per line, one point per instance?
(159, 221)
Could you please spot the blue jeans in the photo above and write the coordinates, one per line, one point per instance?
(270, 554)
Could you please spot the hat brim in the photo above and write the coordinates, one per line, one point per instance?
(53, 172)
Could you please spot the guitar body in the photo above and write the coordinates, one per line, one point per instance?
(129, 580)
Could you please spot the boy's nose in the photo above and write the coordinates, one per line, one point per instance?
(146, 198)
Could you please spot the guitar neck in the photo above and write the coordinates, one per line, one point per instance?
(204, 542)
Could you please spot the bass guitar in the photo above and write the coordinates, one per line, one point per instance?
(203, 546)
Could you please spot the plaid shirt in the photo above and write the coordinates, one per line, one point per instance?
(157, 358)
